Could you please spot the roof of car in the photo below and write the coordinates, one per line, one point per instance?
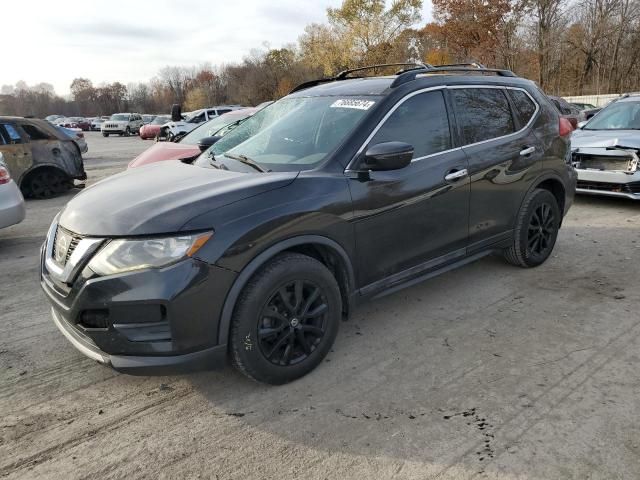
(381, 85)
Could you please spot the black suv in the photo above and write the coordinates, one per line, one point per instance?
(346, 189)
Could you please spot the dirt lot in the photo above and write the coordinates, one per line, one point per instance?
(486, 372)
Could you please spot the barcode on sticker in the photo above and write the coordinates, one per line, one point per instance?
(353, 103)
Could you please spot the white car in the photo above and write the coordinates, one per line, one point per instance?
(12, 209)
(173, 129)
(122, 124)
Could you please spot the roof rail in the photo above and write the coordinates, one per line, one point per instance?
(409, 74)
(343, 75)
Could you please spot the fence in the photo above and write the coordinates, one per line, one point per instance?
(596, 100)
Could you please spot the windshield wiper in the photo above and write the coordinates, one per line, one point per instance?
(247, 161)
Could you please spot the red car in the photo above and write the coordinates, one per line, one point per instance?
(187, 146)
(150, 130)
(81, 123)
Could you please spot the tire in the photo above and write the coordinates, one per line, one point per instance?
(536, 230)
(127, 132)
(105, 134)
(46, 183)
(271, 339)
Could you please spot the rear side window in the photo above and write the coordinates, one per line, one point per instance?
(34, 132)
(525, 108)
(10, 134)
(222, 112)
(421, 121)
(482, 113)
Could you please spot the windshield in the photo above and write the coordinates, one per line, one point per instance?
(147, 118)
(210, 128)
(160, 120)
(617, 116)
(293, 134)
(120, 117)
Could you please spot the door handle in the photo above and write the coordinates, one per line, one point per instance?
(527, 151)
(454, 175)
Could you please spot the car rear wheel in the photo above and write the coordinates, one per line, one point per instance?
(536, 230)
(286, 319)
(46, 183)
(105, 134)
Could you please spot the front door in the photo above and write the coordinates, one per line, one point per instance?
(408, 221)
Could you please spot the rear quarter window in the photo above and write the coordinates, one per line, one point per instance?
(482, 113)
(525, 107)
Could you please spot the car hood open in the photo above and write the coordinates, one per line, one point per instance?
(161, 198)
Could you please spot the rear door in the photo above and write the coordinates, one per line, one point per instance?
(504, 158)
(16, 150)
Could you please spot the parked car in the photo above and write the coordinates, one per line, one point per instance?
(53, 118)
(588, 114)
(188, 147)
(151, 130)
(344, 190)
(582, 106)
(606, 150)
(42, 160)
(96, 123)
(122, 124)
(81, 123)
(568, 111)
(147, 119)
(12, 208)
(173, 129)
(77, 136)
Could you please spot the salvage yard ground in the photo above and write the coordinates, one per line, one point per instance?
(489, 371)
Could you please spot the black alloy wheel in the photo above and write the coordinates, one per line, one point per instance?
(536, 230)
(541, 230)
(285, 319)
(292, 323)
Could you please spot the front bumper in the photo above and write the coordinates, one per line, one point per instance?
(155, 321)
(609, 183)
(207, 359)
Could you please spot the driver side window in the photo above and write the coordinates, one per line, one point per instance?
(421, 121)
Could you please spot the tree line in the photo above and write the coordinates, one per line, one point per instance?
(569, 47)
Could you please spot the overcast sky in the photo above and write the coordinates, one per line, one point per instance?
(129, 41)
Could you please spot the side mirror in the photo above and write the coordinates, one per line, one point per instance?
(206, 142)
(387, 156)
(581, 124)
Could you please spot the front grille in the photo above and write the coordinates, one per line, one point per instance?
(633, 187)
(62, 252)
(604, 162)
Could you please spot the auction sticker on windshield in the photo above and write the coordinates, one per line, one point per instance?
(353, 103)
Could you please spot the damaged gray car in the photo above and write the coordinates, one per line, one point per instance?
(605, 150)
(42, 160)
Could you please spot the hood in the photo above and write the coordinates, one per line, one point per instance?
(161, 198)
(164, 151)
(605, 138)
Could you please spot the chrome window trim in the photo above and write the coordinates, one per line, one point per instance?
(447, 87)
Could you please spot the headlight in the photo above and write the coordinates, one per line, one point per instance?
(125, 255)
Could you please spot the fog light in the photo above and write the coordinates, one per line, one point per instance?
(94, 318)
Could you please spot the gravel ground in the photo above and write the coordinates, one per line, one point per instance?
(488, 371)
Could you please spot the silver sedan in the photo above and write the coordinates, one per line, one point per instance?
(606, 150)
(12, 209)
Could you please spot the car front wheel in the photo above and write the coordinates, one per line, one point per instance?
(286, 319)
(536, 230)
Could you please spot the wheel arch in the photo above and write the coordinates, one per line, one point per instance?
(39, 167)
(553, 184)
(327, 251)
